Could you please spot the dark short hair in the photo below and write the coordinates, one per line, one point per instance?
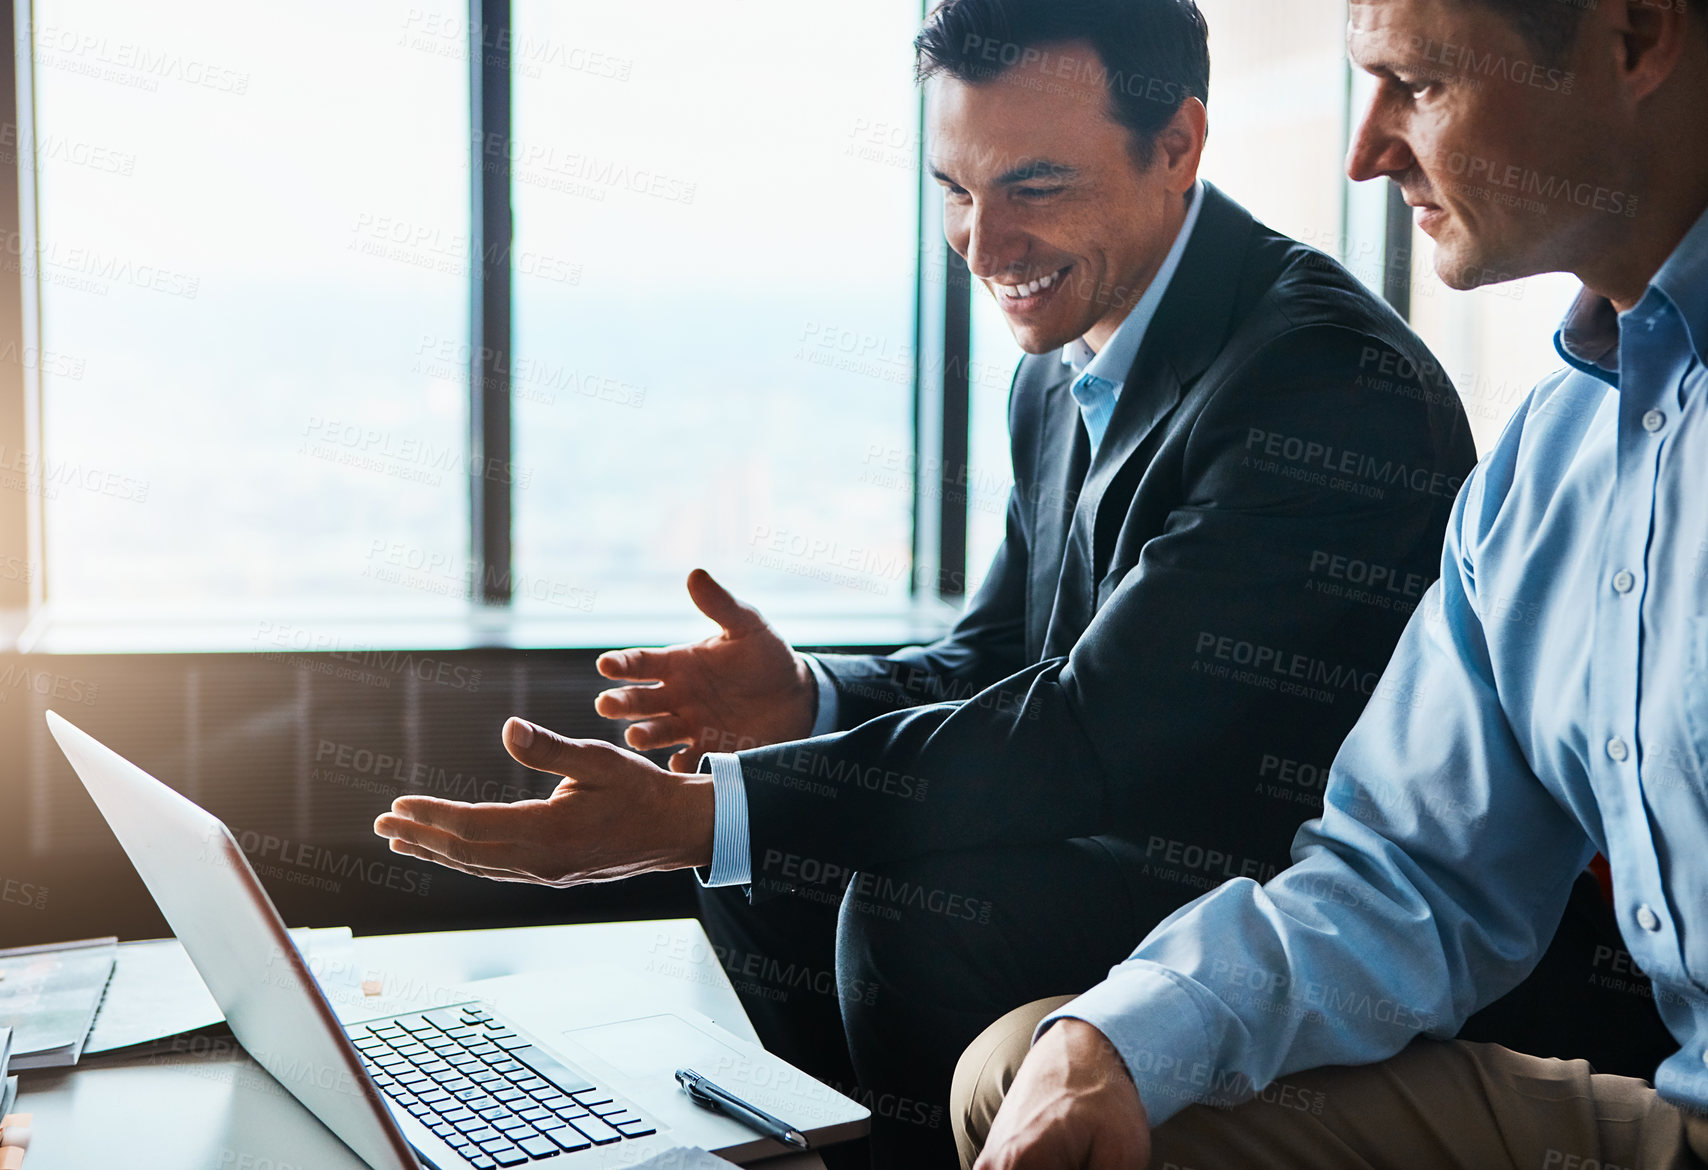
(1549, 27)
(1153, 54)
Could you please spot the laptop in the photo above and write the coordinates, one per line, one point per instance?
(458, 1087)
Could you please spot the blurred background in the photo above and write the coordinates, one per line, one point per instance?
(366, 369)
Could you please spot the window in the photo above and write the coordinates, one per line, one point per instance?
(729, 380)
(252, 244)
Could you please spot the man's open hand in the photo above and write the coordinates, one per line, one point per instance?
(615, 815)
(743, 687)
(1072, 1105)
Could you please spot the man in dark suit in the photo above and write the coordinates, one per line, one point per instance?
(1233, 471)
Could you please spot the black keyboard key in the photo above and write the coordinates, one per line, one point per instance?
(596, 1131)
(471, 1126)
(534, 1113)
(529, 1083)
(509, 1095)
(496, 1113)
(538, 1147)
(512, 1043)
(504, 1064)
(637, 1129)
(509, 1157)
(480, 1161)
(549, 1069)
(568, 1139)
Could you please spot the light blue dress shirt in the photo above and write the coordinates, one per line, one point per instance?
(1549, 699)
(1098, 381)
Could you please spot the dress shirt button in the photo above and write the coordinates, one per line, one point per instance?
(1654, 421)
(1648, 919)
(1617, 751)
(1624, 581)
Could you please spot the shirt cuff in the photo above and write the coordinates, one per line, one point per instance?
(825, 722)
(1160, 1033)
(732, 861)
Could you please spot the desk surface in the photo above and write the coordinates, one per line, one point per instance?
(213, 1108)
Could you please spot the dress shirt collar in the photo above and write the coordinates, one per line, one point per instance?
(1589, 338)
(1116, 361)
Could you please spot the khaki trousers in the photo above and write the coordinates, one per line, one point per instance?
(1435, 1106)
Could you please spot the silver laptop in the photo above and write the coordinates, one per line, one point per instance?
(458, 1087)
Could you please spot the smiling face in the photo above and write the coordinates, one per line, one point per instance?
(1507, 160)
(1045, 201)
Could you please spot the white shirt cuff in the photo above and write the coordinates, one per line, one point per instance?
(732, 861)
(825, 723)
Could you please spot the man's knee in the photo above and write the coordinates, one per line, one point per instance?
(987, 1068)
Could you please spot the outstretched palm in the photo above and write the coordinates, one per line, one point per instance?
(743, 687)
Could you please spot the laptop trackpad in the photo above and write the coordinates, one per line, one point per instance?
(656, 1046)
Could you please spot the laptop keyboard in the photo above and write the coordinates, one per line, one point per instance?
(490, 1095)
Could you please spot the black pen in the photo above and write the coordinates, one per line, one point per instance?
(708, 1096)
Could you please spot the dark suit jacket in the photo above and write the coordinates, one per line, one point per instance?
(1174, 637)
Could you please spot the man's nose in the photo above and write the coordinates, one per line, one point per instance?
(1377, 148)
(994, 245)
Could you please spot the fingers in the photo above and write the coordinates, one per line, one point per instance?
(425, 854)
(534, 747)
(633, 702)
(720, 605)
(687, 760)
(635, 665)
(453, 819)
(657, 733)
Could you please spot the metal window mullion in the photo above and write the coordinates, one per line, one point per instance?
(490, 300)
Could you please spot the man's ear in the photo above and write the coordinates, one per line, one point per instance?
(1180, 144)
(1652, 38)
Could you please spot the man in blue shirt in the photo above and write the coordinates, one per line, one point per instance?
(1548, 701)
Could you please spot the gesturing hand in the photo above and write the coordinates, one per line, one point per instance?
(615, 815)
(1072, 1105)
(743, 687)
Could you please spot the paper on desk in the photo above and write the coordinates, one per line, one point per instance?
(157, 993)
(49, 996)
